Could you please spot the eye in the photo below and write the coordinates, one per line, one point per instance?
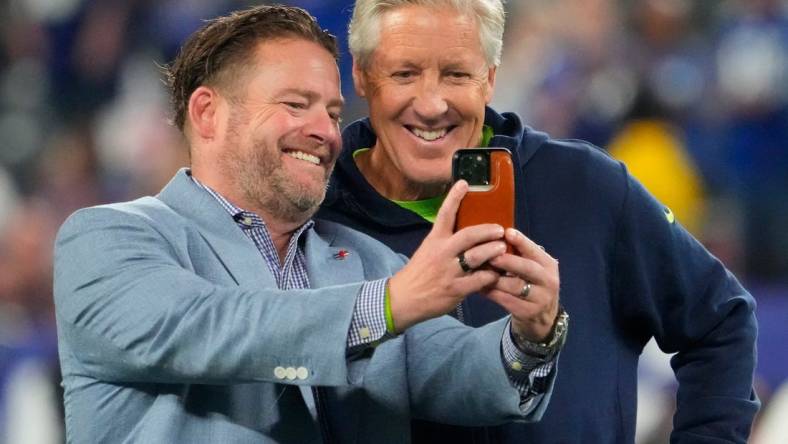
(459, 75)
(335, 117)
(295, 105)
(403, 75)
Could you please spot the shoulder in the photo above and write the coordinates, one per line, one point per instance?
(569, 161)
(143, 212)
(579, 168)
(579, 155)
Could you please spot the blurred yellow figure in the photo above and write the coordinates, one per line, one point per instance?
(655, 155)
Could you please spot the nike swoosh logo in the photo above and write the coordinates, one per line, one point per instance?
(669, 215)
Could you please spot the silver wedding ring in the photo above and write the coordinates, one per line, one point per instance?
(464, 265)
(526, 289)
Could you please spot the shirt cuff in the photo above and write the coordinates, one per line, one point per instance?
(528, 374)
(368, 324)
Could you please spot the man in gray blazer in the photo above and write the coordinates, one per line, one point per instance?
(219, 311)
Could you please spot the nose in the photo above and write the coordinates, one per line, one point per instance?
(429, 102)
(322, 128)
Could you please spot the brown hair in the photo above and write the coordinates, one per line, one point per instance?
(221, 47)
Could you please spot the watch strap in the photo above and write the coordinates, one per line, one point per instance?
(552, 344)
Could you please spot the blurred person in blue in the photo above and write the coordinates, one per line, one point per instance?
(751, 71)
(220, 311)
(29, 373)
(629, 271)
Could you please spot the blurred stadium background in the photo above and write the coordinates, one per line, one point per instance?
(693, 95)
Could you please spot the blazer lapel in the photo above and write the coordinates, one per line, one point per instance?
(230, 245)
(328, 262)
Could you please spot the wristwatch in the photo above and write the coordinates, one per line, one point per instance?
(547, 349)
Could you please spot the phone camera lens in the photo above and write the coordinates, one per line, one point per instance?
(475, 169)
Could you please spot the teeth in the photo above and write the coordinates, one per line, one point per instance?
(300, 155)
(429, 135)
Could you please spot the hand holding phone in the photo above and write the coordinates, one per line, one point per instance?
(490, 199)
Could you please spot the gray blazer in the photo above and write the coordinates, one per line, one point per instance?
(171, 330)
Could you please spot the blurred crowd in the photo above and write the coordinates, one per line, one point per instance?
(691, 94)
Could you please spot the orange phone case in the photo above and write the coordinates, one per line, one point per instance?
(495, 205)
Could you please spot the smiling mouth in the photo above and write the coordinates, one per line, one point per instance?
(306, 157)
(429, 135)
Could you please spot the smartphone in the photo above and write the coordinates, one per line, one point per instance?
(490, 176)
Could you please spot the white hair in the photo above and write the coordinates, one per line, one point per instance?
(364, 29)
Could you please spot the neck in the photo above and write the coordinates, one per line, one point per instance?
(280, 229)
(390, 183)
(281, 232)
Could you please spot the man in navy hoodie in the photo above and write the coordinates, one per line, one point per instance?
(628, 270)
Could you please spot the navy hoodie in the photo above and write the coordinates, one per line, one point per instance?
(628, 273)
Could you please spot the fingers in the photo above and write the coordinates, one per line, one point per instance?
(529, 249)
(526, 269)
(478, 255)
(514, 287)
(534, 321)
(533, 311)
(447, 214)
(477, 281)
(521, 309)
(533, 263)
(469, 237)
(504, 299)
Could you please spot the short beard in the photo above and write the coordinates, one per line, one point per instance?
(261, 178)
(270, 188)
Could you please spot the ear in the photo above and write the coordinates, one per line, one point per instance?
(202, 116)
(490, 84)
(359, 80)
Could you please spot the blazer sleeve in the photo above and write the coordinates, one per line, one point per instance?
(129, 309)
(667, 285)
(456, 375)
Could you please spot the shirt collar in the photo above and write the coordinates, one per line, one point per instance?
(246, 220)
